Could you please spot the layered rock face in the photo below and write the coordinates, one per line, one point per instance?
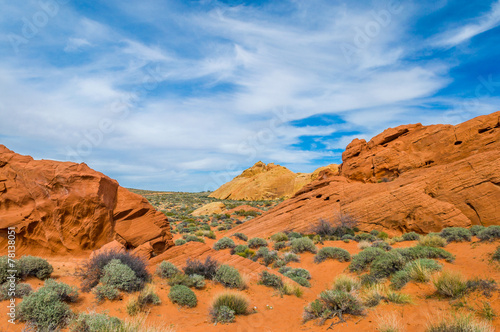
(59, 207)
(409, 178)
(262, 182)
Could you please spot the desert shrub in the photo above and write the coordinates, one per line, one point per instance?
(476, 229)
(486, 286)
(240, 248)
(180, 279)
(270, 280)
(364, 244)
(268, 257)
(373, 296)
(295, 272)
(35, 266)
(291, 257)
(330, 302)
(5, 266)
(65, 292)
(12, 290)
(102, 292)
(324, 228)
(387, 264)
(193, 238)
(383, 235)
(412, 236)
(93, 270)
(382, 245)
(459, 323)
(399, 279)
(303, 244)
(279, 237)
(247, 253)
(44, 310)
(364, 237)
(222, 315)
(279, 245)
(197, 281)
(398, 298)
(339, 254)
(389, 323)
(419, 270)
(206, 269)
(456, 234)
(256, 242)
(489, 233)
(361, 261)
(347, 237)
(432, 241)
(418, 251)
(496, 254)
(236, 302)
(346, 283)
(180, 242)
(224, 243)
(450, 284)
(293, 235)
(241, 236)
(183, 296)
(374, 232)
(166, 270)
(94, 322)
(229, 277)
(120, 276)
(368, 280)
(139, 303)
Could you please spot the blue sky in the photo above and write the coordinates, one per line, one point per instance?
(184, 95)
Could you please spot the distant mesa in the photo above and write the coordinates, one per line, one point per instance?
(266, 182)
(64, 207)
(409, 178)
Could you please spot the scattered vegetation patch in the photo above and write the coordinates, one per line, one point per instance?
(257, 242)
(270, 280)
(412, 236)
(489, 233)
(362, 261)
(339, 254)
(279, 237)
(456, 234)
(102, 292)
(476, 229)
(496, 254)
(121, 276)
(183, 296)
(387, 264)
(229, 277)
(346, 283)
(459, 323)
(207, 269)
(240, 236)
(432, 241)
(303, 244)
(279, 245)
(227, 305)
(450, 284)
(331, 303)
(365, 237)
(12, 290)
(382, 245)
(166, 270)
(94, 322)
(224, 243)
(138, 304)
(180, 242)
(36, 267)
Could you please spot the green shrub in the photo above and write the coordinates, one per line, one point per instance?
(224, 243)
(193, 238)
(257, 242)
(279, 237)
(412, 236)
(279, 245)
(229, 277)
(330, 302)
(236, 302)
(12, 290)
(5, 266)
(267, 256)
(295, 272)
(45, 310)
(399, 279)
(121, 276)
(94, 322)
(206, 269)
(36, 267)
(102, 292)
(346, 283)
(489, 233)
(450, 284)
(432, 241)
(456, 234)
(460, 323)
(486, 286)
(418, 251)
(362, 261)
(293, 235)
(347, 237)
(496, 254)
(166, 270)
(241, 236)
(65, 292)
(476, 229)
(382, 245)
(139, 303)
(180, 242)
(339, 254)
(387, 264)
(383, 235)
(222, 315)
(183, 296)
(270, 280)
(365, 237)
(197, 281)
(399, 298)
(291, 257)
(247, 253)
(418, 270)
(303, 244)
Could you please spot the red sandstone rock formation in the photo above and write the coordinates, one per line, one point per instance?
(60, 207)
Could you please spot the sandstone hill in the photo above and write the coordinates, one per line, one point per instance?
(59, 207)
(261, 182)
(409, 178)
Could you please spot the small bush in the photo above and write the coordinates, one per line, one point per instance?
(183, 296)
(490, 233)
(257, 242)
(270, 280)
(279, 237)
(419, 270)
(373, 296)
(303, 244)
(339, 254)
(417, 252)
(295, 272)
(432, 241)
(383, 235)
(193, 238)
(139, 303)
(293, 235)
(208, 269)
(486, 286)
(347, 237)
(44, 310)
(93, 270)
(365, 237)
(496, 254)
(267, 256)
(460, 323)
(279, 245)
(330, 302)
(382, 245)
(476, 229)
(456, 234)
(241, 236)
(12, 290)
(450, 284)
(362, 261)
(240, 248)
(236, 302)
(166, 270)
(180, 242)
(399, 279)
(399, 298)
(5, 266)
(389, 323)
(102, 292)
(94, 322)
(120, 276)
(387, 264)
(291, 257)
(224, 243)
(364, 244)
(229, 277)
(197, 281)
(222, 315)
(65, 292)
(346, 283)
(180, 279)
(35, 266)
(412, 236)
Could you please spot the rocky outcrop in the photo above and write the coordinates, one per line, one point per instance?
(410, 178)
(263, 182)
(59, 207)
(209, 209)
